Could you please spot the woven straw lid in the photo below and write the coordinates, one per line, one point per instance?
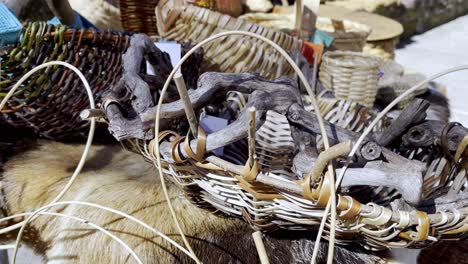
(382, 27)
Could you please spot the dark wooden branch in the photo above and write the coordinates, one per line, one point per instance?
(308, 121)
(142, 47)
(212, 83)
(414, 113)
(430, 131)
(271, 95)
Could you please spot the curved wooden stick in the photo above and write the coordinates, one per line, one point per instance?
(269, 95)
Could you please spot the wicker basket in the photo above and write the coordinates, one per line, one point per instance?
(234, 54)
(348, 35)
(138, 16)
(220, 189)
(273, 194)
(351, 76)
(51, 101)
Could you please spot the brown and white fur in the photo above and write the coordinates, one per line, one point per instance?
(122, 180)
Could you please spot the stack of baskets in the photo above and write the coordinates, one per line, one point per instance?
(50, 102)
(347, 35)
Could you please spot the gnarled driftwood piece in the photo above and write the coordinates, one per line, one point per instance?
(275, 100)
(274, 95)
(212, 83)
(430, 132)
(414, 113)
(308, 121)
(397, 172)
(142, 47)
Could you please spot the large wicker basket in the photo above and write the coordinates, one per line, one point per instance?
(274, 193)
(351, 76)
(51, 101)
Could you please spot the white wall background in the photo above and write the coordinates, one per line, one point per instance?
(439, 49)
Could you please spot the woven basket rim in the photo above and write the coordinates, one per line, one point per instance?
(356, 60)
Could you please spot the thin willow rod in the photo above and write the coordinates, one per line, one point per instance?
(101, 229)
(92, 127)
(131, 218)
(83, 157)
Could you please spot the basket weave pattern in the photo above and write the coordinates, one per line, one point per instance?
(50, 102)
(265, 208)
(138, 16)
(233, 54)
(351, 76)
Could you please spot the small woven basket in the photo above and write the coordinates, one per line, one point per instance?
(351, 76)
(50, 101)
(348, 35)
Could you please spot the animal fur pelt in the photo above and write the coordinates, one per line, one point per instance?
(124, 181)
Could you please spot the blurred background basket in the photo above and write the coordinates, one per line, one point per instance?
(348, 35)
(351, 76)
(138, 16)
(178, 22)
(181, 21)
(384, 35)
